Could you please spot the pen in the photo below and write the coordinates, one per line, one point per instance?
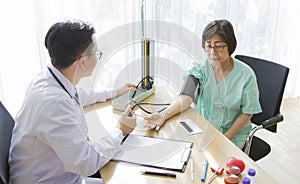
(204, 170)
(219, 171)
(192, 169)
(159, 173)
(124, 138)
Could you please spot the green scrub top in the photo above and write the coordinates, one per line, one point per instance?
(221, 103)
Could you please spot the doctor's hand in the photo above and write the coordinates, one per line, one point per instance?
(155, 121)
(127, 87)
(127, 121)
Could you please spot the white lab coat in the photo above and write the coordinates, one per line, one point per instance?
(50, 141)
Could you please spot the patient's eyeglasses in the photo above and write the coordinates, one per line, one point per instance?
(217, 48)
(98, 55)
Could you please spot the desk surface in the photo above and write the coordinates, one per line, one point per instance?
(210, 144)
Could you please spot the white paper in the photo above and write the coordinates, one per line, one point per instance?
(155, 152)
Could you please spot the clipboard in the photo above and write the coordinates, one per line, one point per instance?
(154, 152)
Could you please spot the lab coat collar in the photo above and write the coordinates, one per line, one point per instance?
(67, 84)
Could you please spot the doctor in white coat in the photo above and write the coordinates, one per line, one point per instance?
(50, 142)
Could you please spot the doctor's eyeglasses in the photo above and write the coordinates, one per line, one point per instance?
(98, 55)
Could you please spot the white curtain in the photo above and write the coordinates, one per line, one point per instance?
(266, 29)
(19, 61)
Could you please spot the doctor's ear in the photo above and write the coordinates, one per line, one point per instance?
(82, 63)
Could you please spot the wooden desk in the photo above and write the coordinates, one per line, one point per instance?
(211, 145)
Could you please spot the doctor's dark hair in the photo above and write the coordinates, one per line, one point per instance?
(66, 41)
(225, 29)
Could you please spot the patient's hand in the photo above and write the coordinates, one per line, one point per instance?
(155, 121)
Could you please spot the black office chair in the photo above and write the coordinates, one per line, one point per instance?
(6, 126)
(271, 79)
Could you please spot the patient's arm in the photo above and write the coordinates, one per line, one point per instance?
(177, 106)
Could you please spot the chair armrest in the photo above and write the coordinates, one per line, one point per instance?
(267, 123)
(272, 121)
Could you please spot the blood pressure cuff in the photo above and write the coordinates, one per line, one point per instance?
(191, 87)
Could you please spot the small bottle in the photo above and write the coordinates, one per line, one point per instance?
(246, 181)
(231, 179)
(251, 175)
(233, 170)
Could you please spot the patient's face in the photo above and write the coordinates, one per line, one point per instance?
(216, 49)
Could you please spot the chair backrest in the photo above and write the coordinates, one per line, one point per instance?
(271, 80)
(6, 126)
